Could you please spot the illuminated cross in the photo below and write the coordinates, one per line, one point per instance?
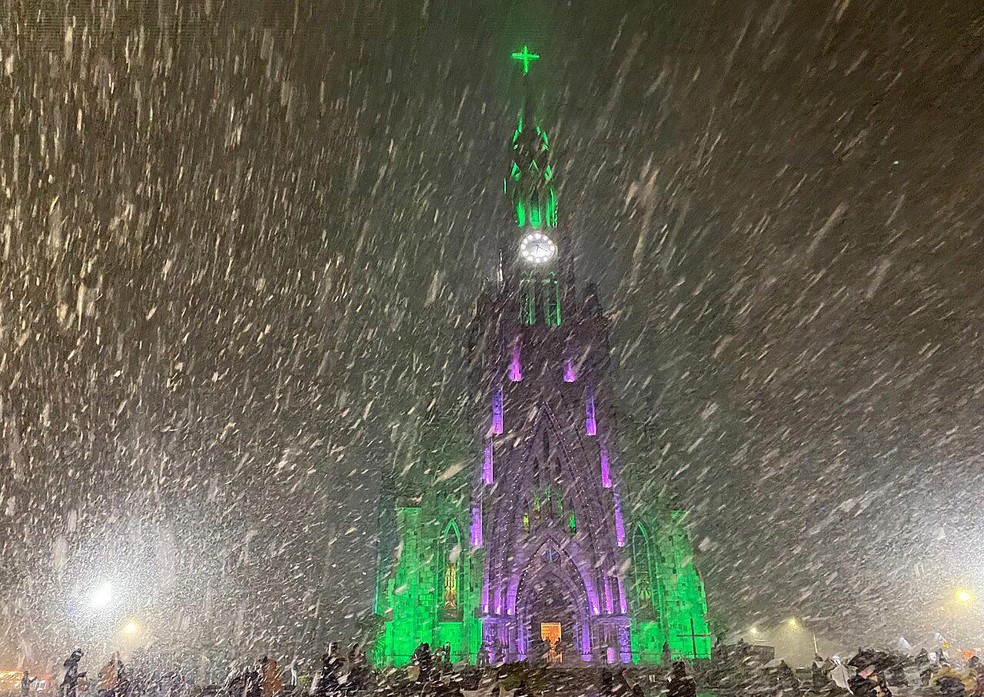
(525, 57)
(694, 636)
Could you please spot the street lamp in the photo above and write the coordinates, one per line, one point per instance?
(102, 596)
(965, 596)
(131, 628)
(792, 622)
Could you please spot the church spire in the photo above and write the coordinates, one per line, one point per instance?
(531, 190)
(530, 183)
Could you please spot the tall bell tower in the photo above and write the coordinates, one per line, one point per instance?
(532, 194)
(532, 546)
(547, 495)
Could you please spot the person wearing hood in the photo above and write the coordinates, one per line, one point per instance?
(70, 680)
(838, 673)
(680, 684)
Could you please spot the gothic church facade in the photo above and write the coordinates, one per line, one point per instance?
(531, 545)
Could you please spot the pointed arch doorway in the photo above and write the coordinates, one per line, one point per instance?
(551, 609)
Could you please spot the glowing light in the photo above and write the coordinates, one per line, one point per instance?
(515, 364)
(102, 596)
(497, 411)
(792, 622)
(753, 631)
(623, 605)
(619, 522)
(476, 527)
(537, 248)
(131, 627)
(590, 423)
(965, 596)
(606, 468)
(487, 465)
(525, 57)
(569, 374)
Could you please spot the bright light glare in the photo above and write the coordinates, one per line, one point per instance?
(131, 627)
(964, 596)
(537, 248)
(791, 622)
(102, 596)
(753, 631)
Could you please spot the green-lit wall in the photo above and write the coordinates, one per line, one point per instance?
(412, 603)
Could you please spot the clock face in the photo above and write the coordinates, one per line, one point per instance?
(537, 248)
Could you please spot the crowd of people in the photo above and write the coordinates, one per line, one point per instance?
(733, 671)
(739, 670)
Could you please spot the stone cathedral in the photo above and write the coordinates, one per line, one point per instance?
(528, 550)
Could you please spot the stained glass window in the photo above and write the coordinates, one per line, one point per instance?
(642, 574)
(451, 571)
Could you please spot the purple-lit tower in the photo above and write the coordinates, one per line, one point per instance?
(547, 494)
(549, 554)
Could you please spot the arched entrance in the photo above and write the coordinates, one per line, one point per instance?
(551, 603)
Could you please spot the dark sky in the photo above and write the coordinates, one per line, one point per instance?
(241, 243)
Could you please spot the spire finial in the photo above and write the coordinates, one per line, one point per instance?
(525, 57)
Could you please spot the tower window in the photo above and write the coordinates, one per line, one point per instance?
(527, 301)
(590, 423)
(642, 561)
(619, 522)
(552, 209)
(515, 366)
(451, 570)
(606, 467)
(497, 410)
(535, 210)
(488, 473)
(551, 307)
(569, 374)
(476, 527)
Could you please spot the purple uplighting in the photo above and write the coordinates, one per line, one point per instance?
(497, 410)
(590, 424)
(515, 366)
(606, 469)
(619, 523)
(476, 527)
(487, 471)
(593, 599)
(569, 374)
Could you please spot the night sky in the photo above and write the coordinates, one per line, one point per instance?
(242, 242)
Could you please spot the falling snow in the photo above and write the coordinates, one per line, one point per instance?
(242, 244)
